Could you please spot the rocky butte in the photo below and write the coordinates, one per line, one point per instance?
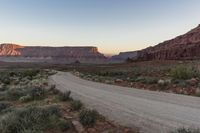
(184, 47)
(18, 53)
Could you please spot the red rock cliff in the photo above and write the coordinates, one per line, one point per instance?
(186, 46)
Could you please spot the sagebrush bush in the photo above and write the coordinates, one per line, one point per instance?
(88, 117)
(15, 94)
(184, 72)
(64, 125)
(76, 105)
(186, 130)
(28, 119)
(64, 96)
(30, 73)
(37, 92)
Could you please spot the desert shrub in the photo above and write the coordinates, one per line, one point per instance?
(88, 117)
(15, 94)
(64, 125)
(26, 98)
(30, 73)
(4, 105)
(28, 119)
(64, 96)
(76, 105)
(184, 72)
(37, 92)
(186, 130)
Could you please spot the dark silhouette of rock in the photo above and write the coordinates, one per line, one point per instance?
(123, 56)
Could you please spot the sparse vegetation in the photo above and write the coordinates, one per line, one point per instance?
(76, 105)
(181, 77)
(28, 104)
(184, 72)
(65, 125)
(29, 118)
(88, 117)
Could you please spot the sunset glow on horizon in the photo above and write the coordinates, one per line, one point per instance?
(111, 25)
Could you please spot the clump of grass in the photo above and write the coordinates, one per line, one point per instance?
(186, 130)
(88, 117)
(64, 96)
(184, 72)
(64, 125)
(28, 119)
(76, 105)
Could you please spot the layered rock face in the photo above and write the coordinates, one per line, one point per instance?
(65, 54)
(184, 47)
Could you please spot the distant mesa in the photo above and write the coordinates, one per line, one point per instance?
(18, 53)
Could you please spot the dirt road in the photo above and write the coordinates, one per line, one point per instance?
(152, 112)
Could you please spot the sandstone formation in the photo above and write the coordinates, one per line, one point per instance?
(183, 47)
(58, 54)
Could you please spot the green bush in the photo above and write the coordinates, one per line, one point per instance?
(28, 119)
(76, 105)
(186, 130)
(64, 125)
(64, 96)
(88, 117)
(184, 72)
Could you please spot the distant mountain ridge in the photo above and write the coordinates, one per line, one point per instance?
(122, 56)
(71, 54)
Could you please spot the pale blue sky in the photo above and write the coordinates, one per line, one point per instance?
(111, 25)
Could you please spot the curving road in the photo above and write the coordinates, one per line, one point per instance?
(152, 112)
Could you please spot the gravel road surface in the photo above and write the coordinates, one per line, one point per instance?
(152, 112)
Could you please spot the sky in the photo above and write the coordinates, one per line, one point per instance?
(112, 25)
